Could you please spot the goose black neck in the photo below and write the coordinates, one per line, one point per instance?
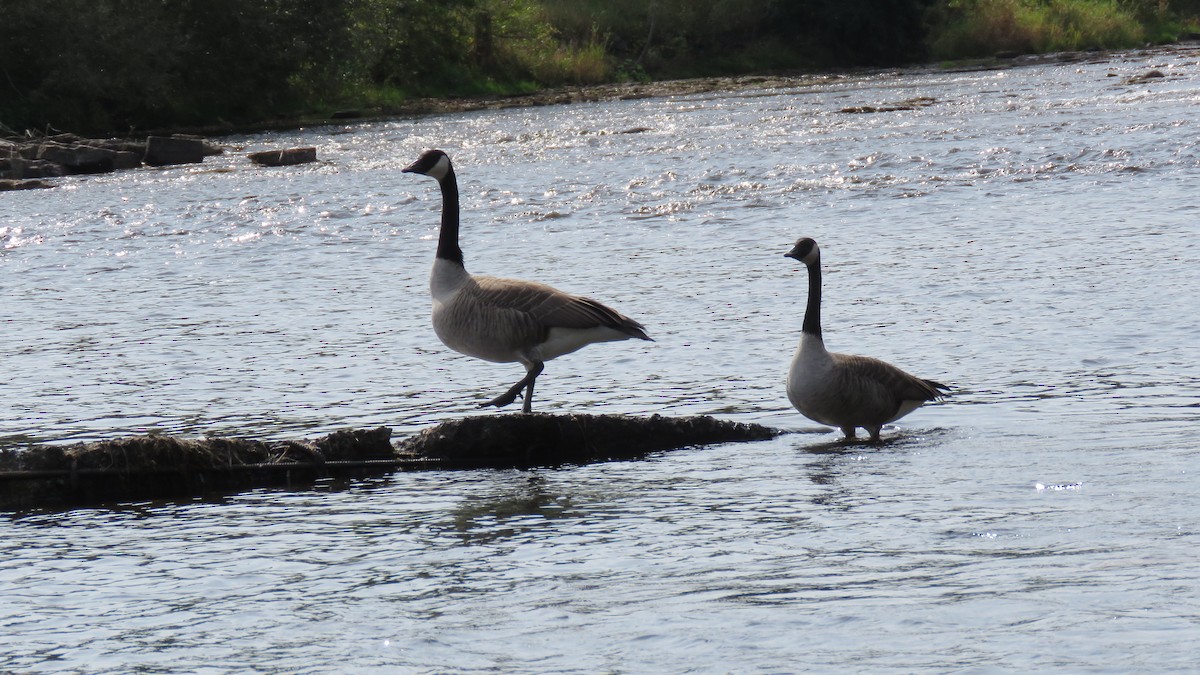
(812, 313)
(448, 238)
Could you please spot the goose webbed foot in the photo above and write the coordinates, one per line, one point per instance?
(507, 397)
(514, 391)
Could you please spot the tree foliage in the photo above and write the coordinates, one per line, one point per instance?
(135, 63)
(115, 65)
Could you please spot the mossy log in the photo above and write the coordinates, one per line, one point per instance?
(167, 467)
(539, 439)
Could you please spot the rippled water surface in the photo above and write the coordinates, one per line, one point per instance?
(1028, 237)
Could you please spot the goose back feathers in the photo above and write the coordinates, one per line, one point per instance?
(506, 320)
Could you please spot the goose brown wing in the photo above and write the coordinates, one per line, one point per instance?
(551, 308)
(896, 382)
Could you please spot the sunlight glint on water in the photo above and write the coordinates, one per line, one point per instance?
(1029, 238)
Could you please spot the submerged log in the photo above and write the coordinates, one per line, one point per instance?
(166, 467)
(7, 184)
(908, 104)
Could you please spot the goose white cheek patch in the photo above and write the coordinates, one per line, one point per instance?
(440, 169)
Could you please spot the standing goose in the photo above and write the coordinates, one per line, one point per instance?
(839, 389)
(506, 320)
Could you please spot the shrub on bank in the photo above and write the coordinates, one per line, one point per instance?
(979, 28)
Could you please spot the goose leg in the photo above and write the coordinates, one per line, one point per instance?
(849, 433)
(526, 383)
(528, 406)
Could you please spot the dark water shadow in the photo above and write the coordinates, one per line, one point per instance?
(524, 503)
(836, 457)
(892, 439)
(145, 509)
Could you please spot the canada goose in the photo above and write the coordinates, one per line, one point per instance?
(506, 320)
(839, 389)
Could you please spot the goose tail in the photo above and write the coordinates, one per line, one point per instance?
(939, 389)
(634, 329)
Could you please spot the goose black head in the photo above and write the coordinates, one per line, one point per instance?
(805, 251)
(433, 163)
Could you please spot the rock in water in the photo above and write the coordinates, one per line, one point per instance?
(286, 157)
(164, 150)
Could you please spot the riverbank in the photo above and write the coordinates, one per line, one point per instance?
(288, 59)
(618, 91)
(26, 160)
(701, 85)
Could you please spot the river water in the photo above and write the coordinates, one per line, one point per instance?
(1028, 236)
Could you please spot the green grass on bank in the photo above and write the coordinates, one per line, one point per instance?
(979, 28)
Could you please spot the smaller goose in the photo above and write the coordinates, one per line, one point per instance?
(507, 320)
(841, 390)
